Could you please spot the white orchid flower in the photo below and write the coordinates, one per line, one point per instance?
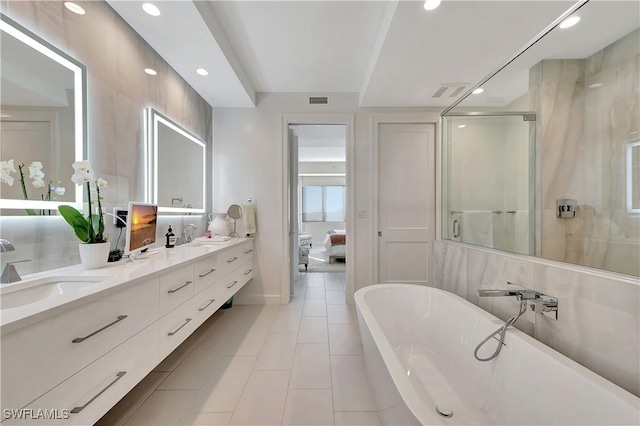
(82, 177)
(101, 183)
(36, 173)
(83, 173)
(59, 190)
(38, 183)
(82, 166)
(6, 168)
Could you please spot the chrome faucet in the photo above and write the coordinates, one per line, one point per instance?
(9, 274)
(186, 238)
(540, 303)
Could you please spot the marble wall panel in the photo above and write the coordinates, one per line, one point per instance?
(118, 91)
(599, 314)
(599, 323)
(486, 270)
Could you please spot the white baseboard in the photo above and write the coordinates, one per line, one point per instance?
(268, 299)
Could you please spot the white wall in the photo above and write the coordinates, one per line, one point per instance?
(248, 162)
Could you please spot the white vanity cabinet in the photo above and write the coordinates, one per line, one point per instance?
(38, 357)
(90, 393)
(82, 361)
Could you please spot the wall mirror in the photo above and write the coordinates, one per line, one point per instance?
(177, 166)
(542, 157)
(43, 119)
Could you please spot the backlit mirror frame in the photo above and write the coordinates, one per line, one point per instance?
(12, 28)
(153, 119)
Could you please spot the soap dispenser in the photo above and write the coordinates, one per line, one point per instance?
(170, 238)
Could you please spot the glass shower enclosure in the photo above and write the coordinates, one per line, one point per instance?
(489, 183)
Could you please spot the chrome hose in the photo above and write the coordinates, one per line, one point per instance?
(502, 330)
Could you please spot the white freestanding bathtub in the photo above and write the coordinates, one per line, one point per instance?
(419, 344)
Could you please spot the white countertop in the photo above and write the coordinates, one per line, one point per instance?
(119, 275)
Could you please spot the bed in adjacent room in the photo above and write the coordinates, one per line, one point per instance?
(335, 244)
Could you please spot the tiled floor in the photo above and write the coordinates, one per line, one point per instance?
(295, 364)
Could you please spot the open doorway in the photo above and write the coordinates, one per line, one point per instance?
(319, 202)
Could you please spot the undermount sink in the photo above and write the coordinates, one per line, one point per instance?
(202, 241)
(24, 293)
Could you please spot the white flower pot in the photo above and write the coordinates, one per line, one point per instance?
(94, 256)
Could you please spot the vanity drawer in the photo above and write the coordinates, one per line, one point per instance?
(39, 357)
(176, 326)
(90, 393)
(207, 302)
(229, 260)
(205, 273)
(176, 287)
(247, 251)
(238, 279)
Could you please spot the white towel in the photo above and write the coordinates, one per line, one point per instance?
(249, 219)
(521, 233)
(477, 227)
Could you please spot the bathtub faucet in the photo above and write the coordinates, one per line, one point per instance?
(519, 294)
(538, 302)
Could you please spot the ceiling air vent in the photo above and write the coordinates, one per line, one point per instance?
(450, 90)
(318, 100)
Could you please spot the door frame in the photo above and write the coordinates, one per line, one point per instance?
(400, 118)
(348, 119)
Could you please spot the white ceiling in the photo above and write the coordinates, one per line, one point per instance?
(393, 53)
(601, 24)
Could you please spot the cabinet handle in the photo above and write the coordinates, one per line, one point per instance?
(248, 251)
(119, 376)
(248, 272)
(232, 284)
(171, 333)
(233, 259)
(179, 288)
(207, 305)
(204, 275)
(82, 339)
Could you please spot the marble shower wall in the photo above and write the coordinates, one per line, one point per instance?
(588, 111)
(599, 314)
(118, 92)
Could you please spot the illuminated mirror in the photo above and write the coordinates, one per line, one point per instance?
(42, 113)
(177, 166)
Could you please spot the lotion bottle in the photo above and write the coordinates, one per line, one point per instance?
(170, 238)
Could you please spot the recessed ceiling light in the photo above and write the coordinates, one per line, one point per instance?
(462, 126)
(569, 22)
(595, 85)
(431, 4)
(202, 71)
(74, 8)
(150, 71)
(478, 91)
(151, 9)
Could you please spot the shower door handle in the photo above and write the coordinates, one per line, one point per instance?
(456, 228)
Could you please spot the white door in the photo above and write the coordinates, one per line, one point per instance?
(406, 202)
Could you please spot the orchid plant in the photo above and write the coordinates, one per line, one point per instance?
(36, 175)
(89, 229)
